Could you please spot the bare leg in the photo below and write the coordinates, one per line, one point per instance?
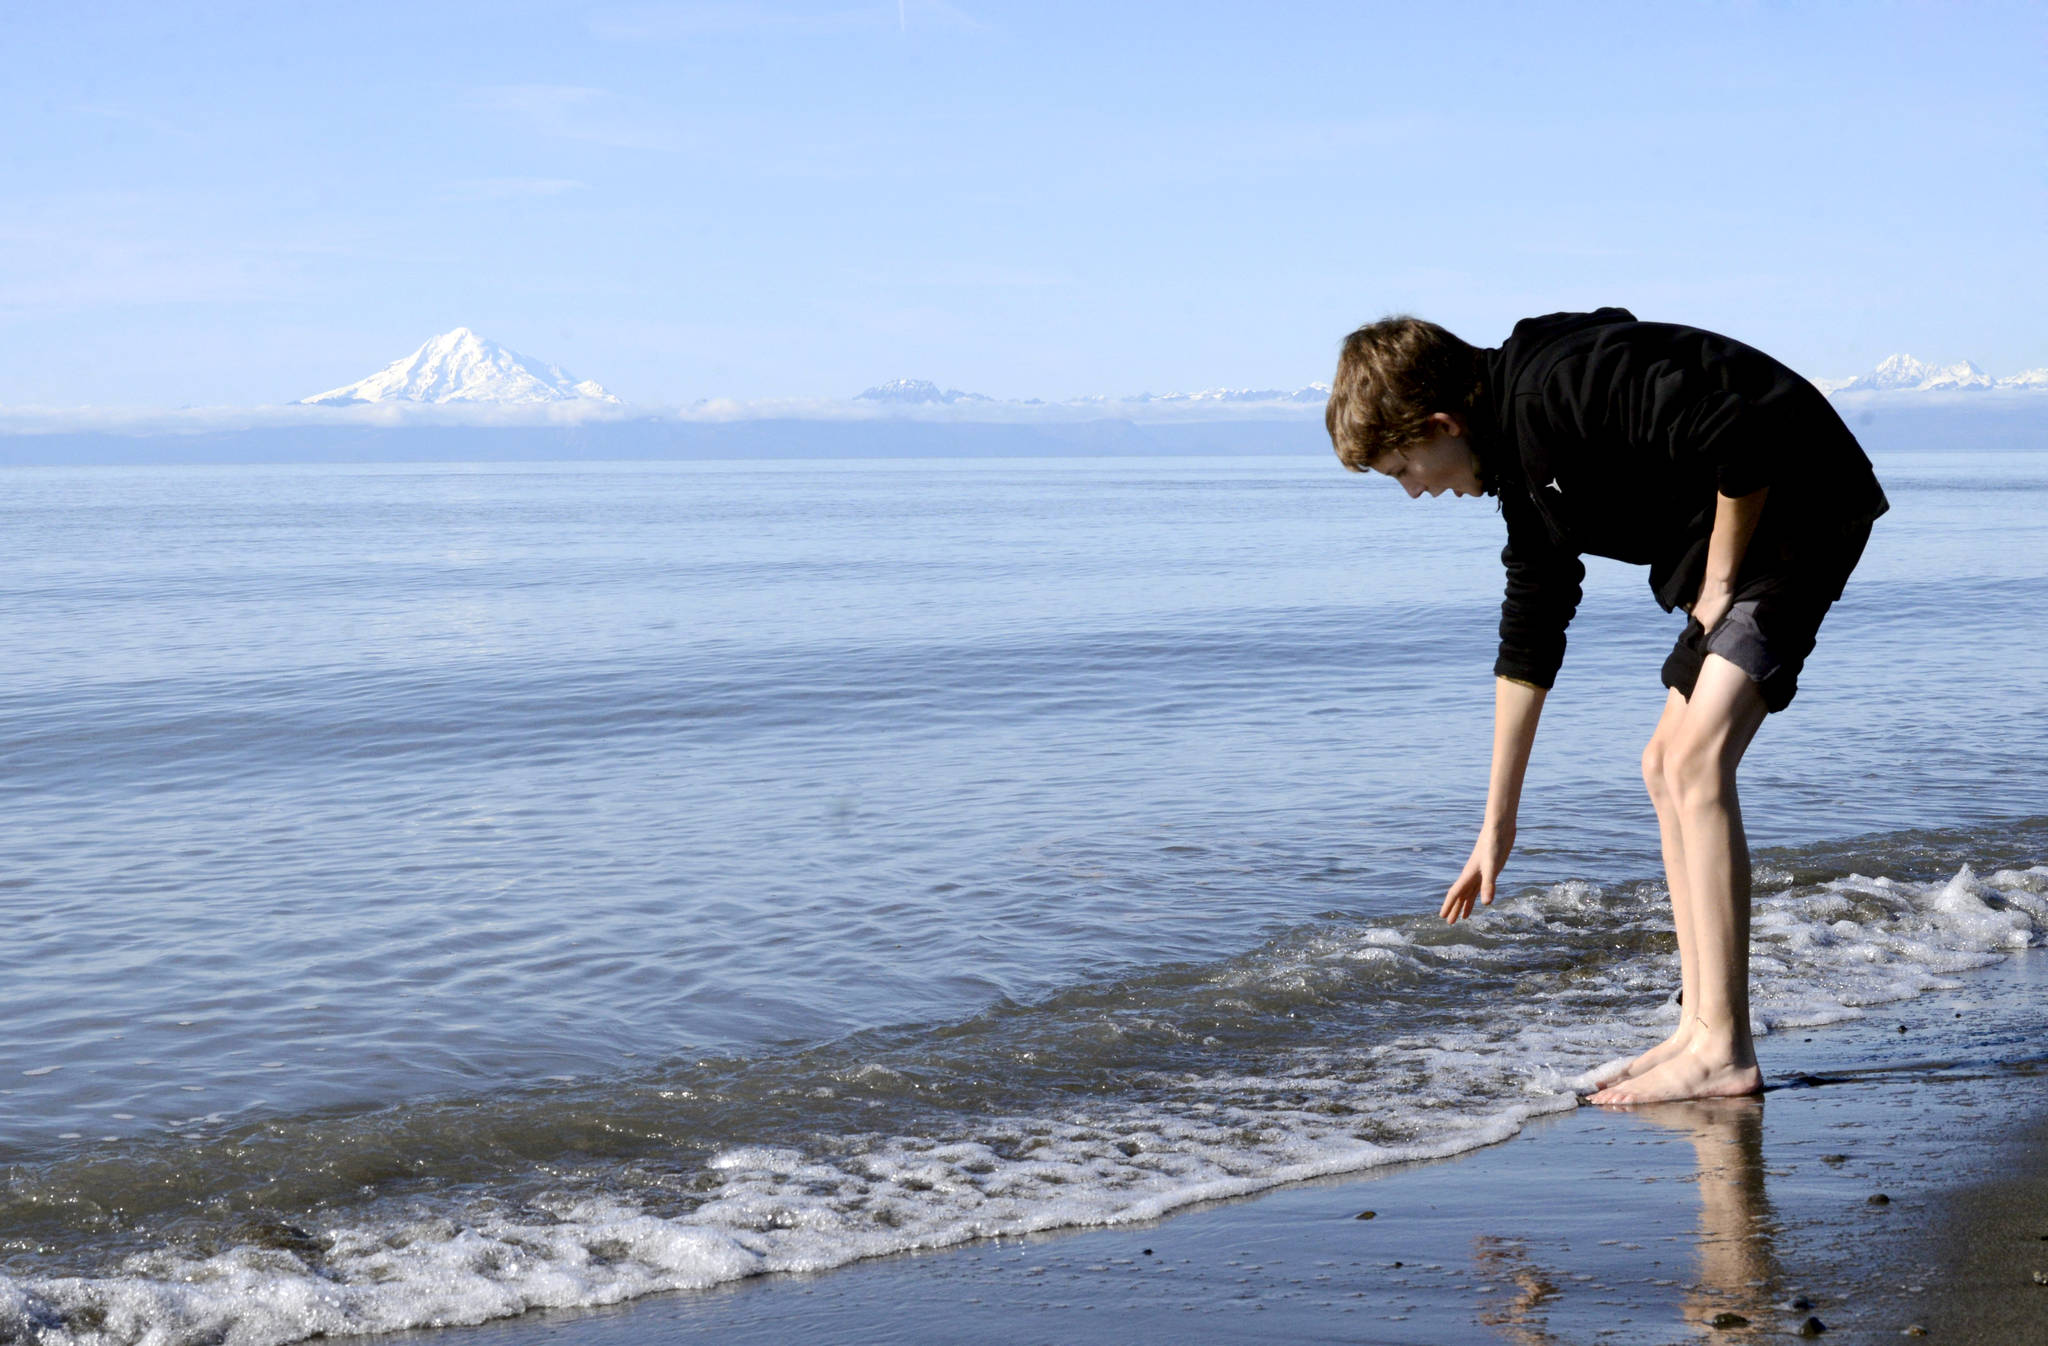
(1676, 880)
(1718, 1058)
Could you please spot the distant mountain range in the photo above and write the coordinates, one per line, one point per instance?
(460, 366)
(921, 392)
(1315, 393)
(1904, 374)
(463, 368)
(461, 397)
(917, 392)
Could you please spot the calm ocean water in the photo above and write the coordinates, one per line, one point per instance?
(435, 891)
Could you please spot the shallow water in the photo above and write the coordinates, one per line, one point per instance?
(439, 890)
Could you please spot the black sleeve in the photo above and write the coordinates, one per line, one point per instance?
(1544, 581)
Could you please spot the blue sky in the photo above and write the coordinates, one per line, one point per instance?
(236, 204)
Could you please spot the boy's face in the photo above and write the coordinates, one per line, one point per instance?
(1443, 462)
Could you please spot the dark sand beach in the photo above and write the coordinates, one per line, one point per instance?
(1895, 1182)
(1988, 1240)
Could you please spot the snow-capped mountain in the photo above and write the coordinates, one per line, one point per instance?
(1904, 374)
(2034, 380)
(917, 392)
(460, 366)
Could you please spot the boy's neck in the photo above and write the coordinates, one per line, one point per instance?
(1497, 459)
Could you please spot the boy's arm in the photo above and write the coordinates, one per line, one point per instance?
(1516, 708)
(1735, 520)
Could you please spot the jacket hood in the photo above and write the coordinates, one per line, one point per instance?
(1532, 333)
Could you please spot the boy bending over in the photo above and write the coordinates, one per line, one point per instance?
(1725, 473)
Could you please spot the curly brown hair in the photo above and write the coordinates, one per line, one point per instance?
(1392, 376)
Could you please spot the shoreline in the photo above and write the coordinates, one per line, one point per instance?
(1736, 1219)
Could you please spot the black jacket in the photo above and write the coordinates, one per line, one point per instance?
(1608, 436)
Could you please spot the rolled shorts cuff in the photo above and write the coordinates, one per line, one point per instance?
(1772, 660)
(1770, 628)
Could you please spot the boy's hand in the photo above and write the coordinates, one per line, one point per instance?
(1489, 857)
(1735, 521)
(1712, 605)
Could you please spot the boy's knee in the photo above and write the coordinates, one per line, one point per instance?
(1693, 773)
(1654, 771)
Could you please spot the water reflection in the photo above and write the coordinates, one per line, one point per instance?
(1739, 1279)
(1523, 1314)
(1738, 1259)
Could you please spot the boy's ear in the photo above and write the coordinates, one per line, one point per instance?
(1452, 424)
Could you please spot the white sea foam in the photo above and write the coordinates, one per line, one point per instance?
(777, 1210)
(1823, 953)
(1826, 954)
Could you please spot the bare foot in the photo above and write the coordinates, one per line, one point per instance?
(1693, 1073)
(1680, 1038)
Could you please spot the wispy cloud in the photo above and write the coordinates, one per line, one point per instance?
(718, 18)
(578, 112)
(511, 189)
(643, 23)
(121, 112)
(111, 250)
(966, 275)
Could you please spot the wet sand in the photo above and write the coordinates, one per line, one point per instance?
(1989, 1240)
(1894, 1180)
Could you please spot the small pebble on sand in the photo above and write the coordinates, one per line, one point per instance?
(1812, 1327)
(1365, 1215)
(1843, 1159)
(1880, 1200)
(1914, 1330)
(1725, 1320)
(2041, 1278)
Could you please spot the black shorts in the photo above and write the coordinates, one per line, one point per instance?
(1784, 591)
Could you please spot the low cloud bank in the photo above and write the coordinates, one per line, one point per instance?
(671, 438)
(563, 415)
(1887, 421)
